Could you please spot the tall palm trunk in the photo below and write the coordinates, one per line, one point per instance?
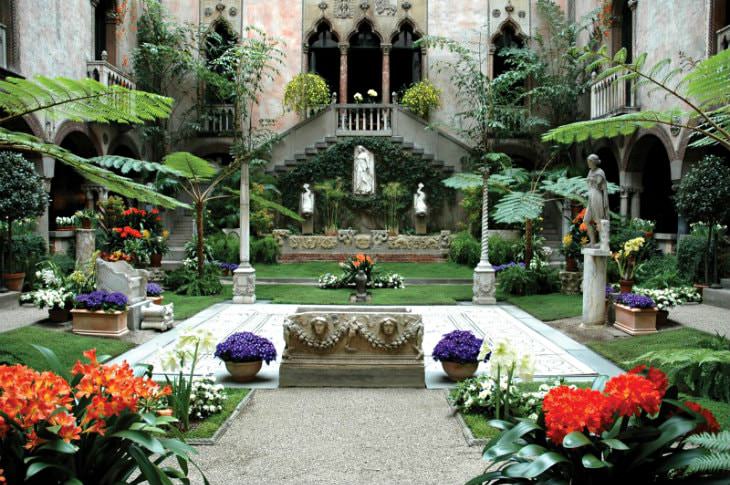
(200, 240)
(528, 242)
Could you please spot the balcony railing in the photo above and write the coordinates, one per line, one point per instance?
(364, 119)
(609, 97)
(107, 74)
(723, 38)
(218, 120)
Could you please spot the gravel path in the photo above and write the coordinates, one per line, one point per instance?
(710, 319)
(21, 316)
(343, 436)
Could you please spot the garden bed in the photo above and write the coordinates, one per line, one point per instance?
(211, 429)
(411, 295)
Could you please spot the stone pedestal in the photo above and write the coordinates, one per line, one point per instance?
(244, 285)
(85, 246)
(421, 226)
(595, 262)
(308, 225)
(570, 282)
(485, 285)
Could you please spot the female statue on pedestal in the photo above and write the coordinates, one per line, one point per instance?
(597, 209)
(363, 182)
(307, 202)
(419, 201)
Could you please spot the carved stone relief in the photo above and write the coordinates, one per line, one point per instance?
(342, 9)
(384, 7)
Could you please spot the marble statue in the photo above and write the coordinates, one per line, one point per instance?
(597, 210)
(363, 182)
(307, 202)
(419, 201)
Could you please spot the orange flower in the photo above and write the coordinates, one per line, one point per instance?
(710, 425)
(634, 394)
(579, 217)
(583, 227)
(656, 376)
(568, 410)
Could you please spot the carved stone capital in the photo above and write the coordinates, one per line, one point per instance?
(386, 49)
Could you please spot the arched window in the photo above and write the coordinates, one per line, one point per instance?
(324, 55)
(405, 59)
(508, 38)
(219, 39)
(7, 35)
(365, 62)
(622, 32)
(105, 31)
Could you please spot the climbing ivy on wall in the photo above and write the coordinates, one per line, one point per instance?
(392, 164)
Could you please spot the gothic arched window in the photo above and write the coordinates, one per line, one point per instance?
(324, 55)
(405, 59)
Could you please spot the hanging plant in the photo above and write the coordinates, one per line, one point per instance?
(421, 98)
(306, 92)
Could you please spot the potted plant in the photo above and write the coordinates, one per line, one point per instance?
(154, 293)
(52, 292)
(23, 197)
(422, 98)
(65, 223)
(157, 247)
(635, 314)
(627, 259)
(332, 193)
(243, 354)
(86, 218)
(667, 298)
(573, 242)
(100, 313)
(458, 352)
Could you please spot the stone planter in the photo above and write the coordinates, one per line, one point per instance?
(60, 315)
(635, 321)
(570, 282)
(156, 300)
(456, 371)
(156, 260)
(243, 371)
(14, 281)
(101, 324)
(626, 286)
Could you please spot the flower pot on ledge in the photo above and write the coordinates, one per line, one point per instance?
(243, 371)
(626, 286)
(14, 281)
(156, 300)
(99, 323)
(457, 371)
(635, 321)
(156, 260)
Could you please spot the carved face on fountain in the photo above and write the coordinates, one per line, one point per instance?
(319, 327)
(388, 327)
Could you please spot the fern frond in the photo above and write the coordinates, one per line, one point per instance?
(126, 165)
(190, 166)
(712, 441)
(10, 140)
(463, 180)
(712, 463)
(609, 127)
(517, 207)
(83, 100)
(709, 82)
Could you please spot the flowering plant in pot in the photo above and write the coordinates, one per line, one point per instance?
(359, 262)
(574, 241)
(154, 293)
(64, 223)
(635, 314)
(629, 429)
(100, 313)
(458, 352)
(51, 291)
(627, 259)
(86, 218)
(243, 354)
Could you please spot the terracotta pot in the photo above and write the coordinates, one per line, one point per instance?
(626, 286)
(243, 371)
(156, 260)
(156, 300)
(662, 317)
(14, 281)
(571, 264)
(85, 223)
(104, 324)
(66, 228)
(164, 412)
(457, 371)
(700, 287)
(635, 321)
(59, 315)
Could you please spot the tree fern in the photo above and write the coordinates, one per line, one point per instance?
(83, 100)
(717, 457)
(126, 165)
(712, 441)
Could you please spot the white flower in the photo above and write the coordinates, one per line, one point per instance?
(357, 97)
(372, 93)
(169, 361)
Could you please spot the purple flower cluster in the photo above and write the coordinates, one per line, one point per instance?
(228, 267)
(245, 347)
(632, 300)
(458, 346)
(153, 289)
(511, 264)
(610, 290)
(101, 300)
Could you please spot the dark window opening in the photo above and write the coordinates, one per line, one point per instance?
(405, 60)
(365, 63)
(324, 55)
(218, 41)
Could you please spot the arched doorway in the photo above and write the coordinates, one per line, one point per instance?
(507, 38)
(609, 165)
(365, 62)
(66, 194)
(650, 158)
(405, 59)
(324, 55)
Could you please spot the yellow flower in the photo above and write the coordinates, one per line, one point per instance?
(567, 240)
(584, 240)
(165, 233)
(146, 234)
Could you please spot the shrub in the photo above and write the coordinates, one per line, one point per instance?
(465, 249)
(421, 98)
(660, 272)
(518, 280)
(223, 247)
(28, 250)
(690, 257)
(185, 281)
(263, 250)
(206, 398)
(501, 251)
(306, 91)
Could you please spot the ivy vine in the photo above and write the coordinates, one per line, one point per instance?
(392, 164)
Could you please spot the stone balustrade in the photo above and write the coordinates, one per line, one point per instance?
(108, 74)
(609, 96)
(219, 120)
(364, 119)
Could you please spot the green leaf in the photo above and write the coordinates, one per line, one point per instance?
(190, 166)
(52, 360)
(59, 446)
(464, 180)
(126, 165)
(671, 430)
(615, 444)
(576, 439)
(535, 468)
(146, 467)
(590, 461)
(141, 438)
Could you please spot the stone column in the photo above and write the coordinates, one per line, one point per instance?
(46, 168)
(85, 246)
(636, 204)
(385, 88)
(424, 63)
(244, 278)
(305, 57)
(343, 73)
(484, 277)
(595, 262)
(625, 195)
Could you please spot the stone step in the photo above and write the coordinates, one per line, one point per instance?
(725, 282)
(397, 139)
(9, 300)
(322, 145)
(330, 139)
(171, 264)
(301, 157)
(719, 297)
(311, 151)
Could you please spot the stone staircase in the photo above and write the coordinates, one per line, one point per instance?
(719, 297)
(181, 225)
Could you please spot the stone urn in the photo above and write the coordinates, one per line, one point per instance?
(14, 281)
(458, 371)
(635, 321)
(626, 286)
(243, 371)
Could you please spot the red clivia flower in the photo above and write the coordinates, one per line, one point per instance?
(656, 376)
(710, 425)
(634, 394)
(579, 217)
(155, 211)
(567, 410)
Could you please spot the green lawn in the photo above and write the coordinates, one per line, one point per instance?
(208, 427)
(15, 346)
(622, 350)
(187, 306)
(313, 269)
(477, 423)
(411, 295)
(548, 307)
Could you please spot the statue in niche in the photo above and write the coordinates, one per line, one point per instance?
(419, 202)
(363, 182)
(307, 202)
(597, 210)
